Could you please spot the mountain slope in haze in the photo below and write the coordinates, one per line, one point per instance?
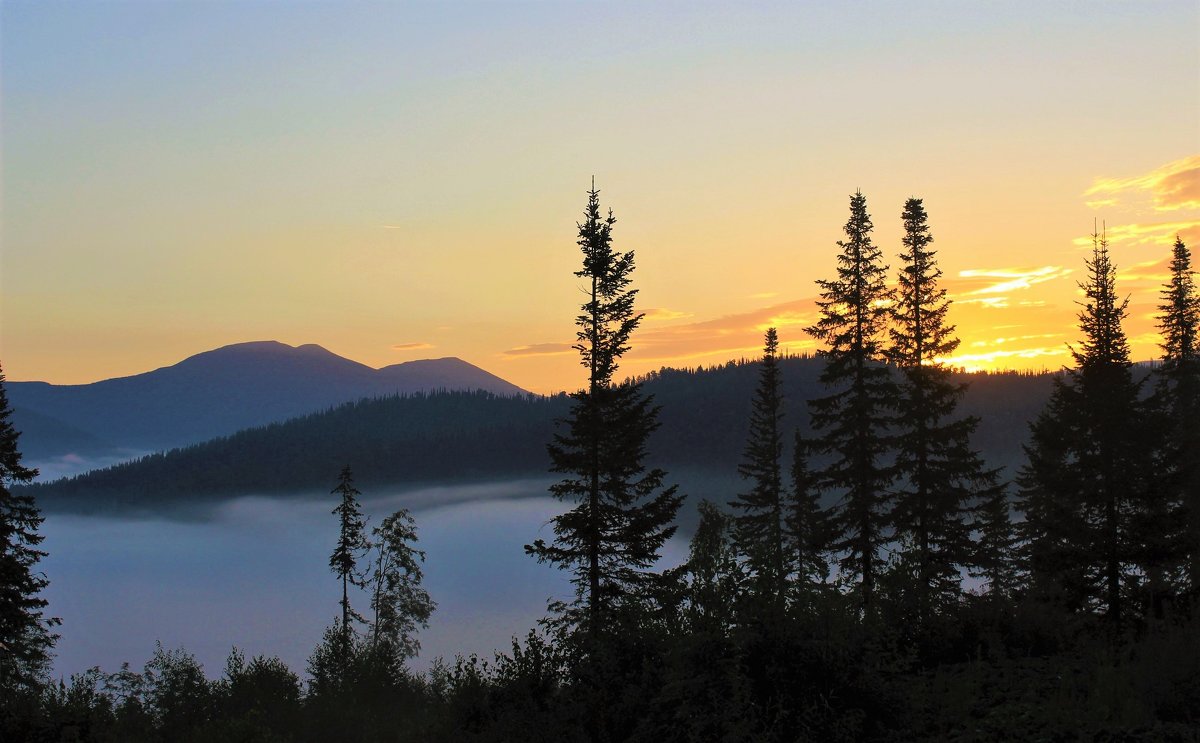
(218, 392)
(455, 437)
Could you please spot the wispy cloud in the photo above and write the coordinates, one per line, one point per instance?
(663, 314)
(1160, 233)
(728, 336)
(1002, 340)
(978, 281)
(540, 349)
(1175, 185)
(994, 359)
(411, 346)
(1156, 271)
(391, 226)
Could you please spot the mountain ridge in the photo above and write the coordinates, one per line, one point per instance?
(220, 391)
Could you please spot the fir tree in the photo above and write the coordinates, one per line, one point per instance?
(851, 423)
(939, 475)
(351, 545)
(621, 514)
(1179, 396)
(758, 529)
(1088, 461)
(806, 526)
(995, 545)
(25, 632)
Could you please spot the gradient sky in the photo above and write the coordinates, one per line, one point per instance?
(398, 180)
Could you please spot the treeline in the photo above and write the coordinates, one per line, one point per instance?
(828, 599)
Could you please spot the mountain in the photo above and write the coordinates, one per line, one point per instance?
(216, 393)
(472, 436)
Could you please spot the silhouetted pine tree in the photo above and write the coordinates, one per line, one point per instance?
(851, 424)
(1086, 479)
(622, 514)
(25, 636)
(995, 558)
(1179, 396)
(758, 527)
(806, 527)
(351, 545)
(939, 475)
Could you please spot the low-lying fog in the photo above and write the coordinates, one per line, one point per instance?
(255, 574)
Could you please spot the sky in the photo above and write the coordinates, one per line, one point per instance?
(396, 181)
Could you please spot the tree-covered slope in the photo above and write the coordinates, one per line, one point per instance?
(462, 436)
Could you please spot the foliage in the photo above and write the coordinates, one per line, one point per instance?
(939, 476)
(852, 421)
(351, 546)
(1177, 520)
(399, 602)
(758, 526)
(25, 632)
(622, 514)
(1088, 464)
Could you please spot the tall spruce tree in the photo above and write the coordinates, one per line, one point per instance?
(25, 632)
(351, 545)
(622, 514)
(1088, 462)
(806, 528)
(996, 543)
(758, 527)
(1179, 396)
(939, 476)
(852, 422)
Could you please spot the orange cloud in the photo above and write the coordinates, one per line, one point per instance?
(1001, 358)
(1173, 186)
(411, 346)
(1161, 233)
(662, 314)
(1013, 279)
(728, 336)
(1156, 271)
(540, 349)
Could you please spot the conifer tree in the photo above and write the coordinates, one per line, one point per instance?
(939, 475)
(995, 545)
(25, 632)
(758, 527)
(351, 545)
(806, 525)
(622, 514)
(1088, 462)
(1179, 393)
(851, 423)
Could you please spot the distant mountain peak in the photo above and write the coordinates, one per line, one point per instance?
(236, 386)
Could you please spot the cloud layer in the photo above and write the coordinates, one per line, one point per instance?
(1173, 186)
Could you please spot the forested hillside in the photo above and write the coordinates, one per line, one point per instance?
(464, 436)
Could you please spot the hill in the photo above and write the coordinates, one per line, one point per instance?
(217, 393)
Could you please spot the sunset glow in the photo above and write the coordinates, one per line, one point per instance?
(396, 181)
